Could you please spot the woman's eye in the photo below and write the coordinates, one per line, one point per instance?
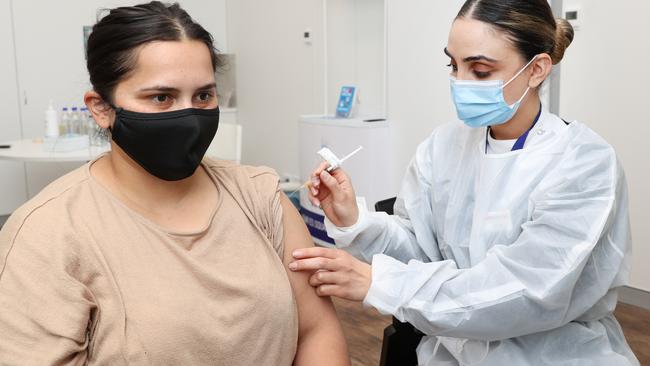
(204, 97)
(160, 98)
(481, 74)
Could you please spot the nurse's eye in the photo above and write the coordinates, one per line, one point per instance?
(481, 71)
(454, 68)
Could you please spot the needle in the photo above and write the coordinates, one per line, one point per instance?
(330, 169)
(348, 156)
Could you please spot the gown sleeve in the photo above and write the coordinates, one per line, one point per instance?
(567, 258)
(400, 235)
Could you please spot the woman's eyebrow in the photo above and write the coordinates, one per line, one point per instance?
(472, 58)
(208, 86)
(162, 88)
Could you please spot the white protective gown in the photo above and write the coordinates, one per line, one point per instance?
(513, 258)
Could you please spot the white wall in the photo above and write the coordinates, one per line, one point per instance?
(50, 52)
(12, 175)
(279, 77)
(605, 85)
(355, 53)
(418, 81)
(51, 63)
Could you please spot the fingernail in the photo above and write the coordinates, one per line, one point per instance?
(314, 191)
(293, 266)
(325, 175)
(315, 181)
(295, 254)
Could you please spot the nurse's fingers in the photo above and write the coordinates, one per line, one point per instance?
(326, 277)
(316, 252)
(314, 264)
(312, 198)
(315, 175)
(332, 290)
(331, 183)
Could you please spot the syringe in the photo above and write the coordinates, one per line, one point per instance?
(333, 161)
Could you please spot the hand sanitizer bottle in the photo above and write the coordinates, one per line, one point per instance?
(51, 121)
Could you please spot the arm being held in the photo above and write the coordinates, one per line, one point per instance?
(320, 340)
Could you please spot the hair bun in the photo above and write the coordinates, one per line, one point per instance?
(563, 37)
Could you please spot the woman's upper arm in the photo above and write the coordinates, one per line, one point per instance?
(297, 236)
(44, 311)
(317, 315)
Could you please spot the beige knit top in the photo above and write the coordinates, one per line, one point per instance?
(86, 280)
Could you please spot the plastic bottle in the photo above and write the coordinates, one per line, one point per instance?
(64, 126)
(83, 121)
(91, 126)
(51, 121)
(75, 121)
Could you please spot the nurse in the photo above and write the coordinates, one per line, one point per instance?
(511, 231)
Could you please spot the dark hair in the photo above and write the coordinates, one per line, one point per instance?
(529, 24)
(111, 48)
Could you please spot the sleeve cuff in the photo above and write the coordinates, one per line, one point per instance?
(382, 266)
(343, 236)
(396, 286)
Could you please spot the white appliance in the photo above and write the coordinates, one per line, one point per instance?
(368, 169)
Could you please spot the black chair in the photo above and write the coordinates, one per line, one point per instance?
(400, 339)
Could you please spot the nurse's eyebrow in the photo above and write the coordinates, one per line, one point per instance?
(446, 51)
(472, 58)
(478, 58)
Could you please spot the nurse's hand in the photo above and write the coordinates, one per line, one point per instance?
(337, 272)
(334, 194)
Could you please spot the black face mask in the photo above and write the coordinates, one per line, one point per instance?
(168, 145)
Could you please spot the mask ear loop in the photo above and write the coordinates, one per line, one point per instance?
(117, 110)
(514, 77)
(520, 71)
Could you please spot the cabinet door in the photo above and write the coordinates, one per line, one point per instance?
(12, 174)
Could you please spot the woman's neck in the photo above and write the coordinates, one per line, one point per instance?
(138, 186)
(521, 122)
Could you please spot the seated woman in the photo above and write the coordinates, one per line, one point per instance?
(149, 254)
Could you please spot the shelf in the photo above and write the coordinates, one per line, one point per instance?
(360, 122)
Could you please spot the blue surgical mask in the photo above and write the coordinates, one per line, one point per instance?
(481, 103)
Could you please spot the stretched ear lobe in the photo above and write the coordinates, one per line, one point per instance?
(541, 69)
(102, 112)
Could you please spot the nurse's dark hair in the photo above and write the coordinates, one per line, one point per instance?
(529, 24)
(113, 44)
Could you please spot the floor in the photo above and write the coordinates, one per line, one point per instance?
(364, 327)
